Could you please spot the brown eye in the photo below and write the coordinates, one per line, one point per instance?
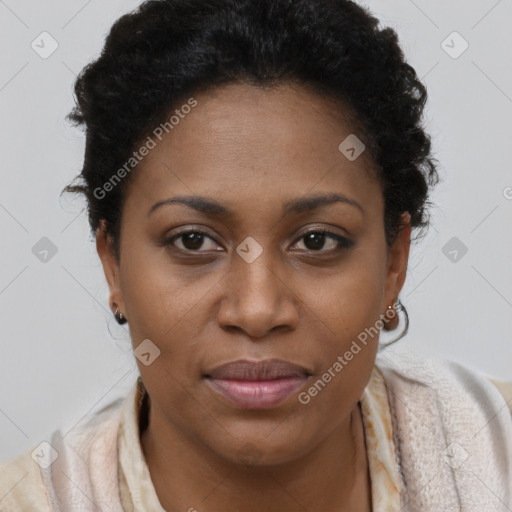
(192, 240)
(315, 241)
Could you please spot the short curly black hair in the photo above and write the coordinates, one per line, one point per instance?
(166, 50)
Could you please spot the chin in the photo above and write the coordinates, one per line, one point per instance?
(262, 447)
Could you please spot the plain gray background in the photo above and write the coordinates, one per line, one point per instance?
(63, 355)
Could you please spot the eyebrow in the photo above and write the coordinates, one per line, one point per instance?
(294, 206)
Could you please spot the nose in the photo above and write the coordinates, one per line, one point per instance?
(258, 299)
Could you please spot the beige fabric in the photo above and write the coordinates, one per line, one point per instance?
(22, 489)
(505, 389)
(453, 433)
(21, 486)
(386, 483)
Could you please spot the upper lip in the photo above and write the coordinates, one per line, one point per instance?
(268, 369)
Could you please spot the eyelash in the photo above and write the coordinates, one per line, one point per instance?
(343, 243)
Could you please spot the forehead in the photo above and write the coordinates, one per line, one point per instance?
(242, 143)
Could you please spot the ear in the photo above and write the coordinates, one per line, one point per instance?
(398, 258)
(104, 246)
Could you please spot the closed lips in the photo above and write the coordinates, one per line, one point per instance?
(269, 369)
(257, 384)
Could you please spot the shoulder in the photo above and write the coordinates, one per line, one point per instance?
(24, 483)
(446, 415)
(447, 380)
(21, 485)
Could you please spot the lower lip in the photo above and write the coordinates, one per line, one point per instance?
(263, 394)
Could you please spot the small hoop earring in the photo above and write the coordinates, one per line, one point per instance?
(399, 307)
(120, 319)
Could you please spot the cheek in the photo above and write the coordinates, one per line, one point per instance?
(170, 305)
(158, 294)
(358, 304)
(163, 305)
(346, 310)
(349, 300)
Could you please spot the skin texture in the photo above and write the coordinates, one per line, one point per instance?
(252, 149)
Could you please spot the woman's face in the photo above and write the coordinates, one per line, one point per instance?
(256, 286)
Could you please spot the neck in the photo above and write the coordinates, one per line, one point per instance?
(186, 475)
